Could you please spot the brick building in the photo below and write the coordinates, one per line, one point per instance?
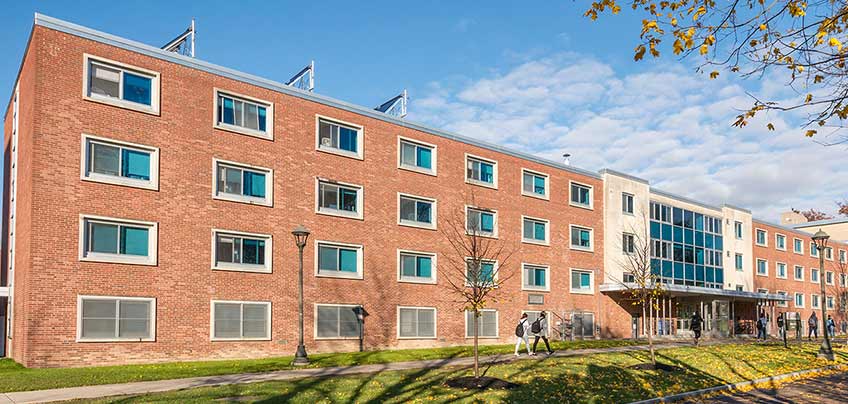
(150, 198)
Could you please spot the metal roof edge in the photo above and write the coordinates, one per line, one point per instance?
(824, 222)
(684, 199)
(623, 175)
(134, 46)
(727, 205)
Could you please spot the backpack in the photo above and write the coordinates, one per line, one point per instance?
(519, 329)
(536, 327)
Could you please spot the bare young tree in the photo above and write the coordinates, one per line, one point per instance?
(643, 287)
(477, 266)
(839, 289)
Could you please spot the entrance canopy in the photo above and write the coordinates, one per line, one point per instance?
(695, 291)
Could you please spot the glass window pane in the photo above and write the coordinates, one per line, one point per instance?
(227, 320)
(134, 240)
(528, 229)
(407, 209)
(328, 196)
(348, 322)
(134, 319)
(254, 184)
(487, 173)
(424, 157)
(239, 113)
(423, 212)
(228, 109)
(539, 231)
(253, 251)
(539, 185)
(347, 260)
(135, 164)
(262, 118)
(527, 182)
(104, 159)
(328, 258)
(98, 318)
(103, 238)
(424, 267)
(254, 321)
(224, 249)
(426, 323)
(328, 321)
(104, 81)
(407, 154)
(489, 326)
(407, 265)
(487, 222)
(348, 197)
(325, 134)
(408, 320)
(251, 116)
(137, 88)
(232, 180)
(347, 139)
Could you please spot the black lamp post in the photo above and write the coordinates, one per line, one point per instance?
(820, 240)
(300, 234)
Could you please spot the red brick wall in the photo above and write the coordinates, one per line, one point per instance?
(183, 282)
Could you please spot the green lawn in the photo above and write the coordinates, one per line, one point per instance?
(14, 377)
(590, 378)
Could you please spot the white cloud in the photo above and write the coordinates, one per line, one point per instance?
(668, 125)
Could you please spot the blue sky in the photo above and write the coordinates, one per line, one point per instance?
(542, 79)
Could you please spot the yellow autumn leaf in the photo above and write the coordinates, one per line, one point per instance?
(835, 43)
(810, 133)
(808, 98)
(704, 49)
(770, 126)
(763, 27)
(714, 74)
(818, 78)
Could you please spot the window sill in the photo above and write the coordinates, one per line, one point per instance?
(324, 274)
(417, 225)
(340, 152)
(339, 213)
(583, 249)
(482, 337)
(417, 338)
(115, 102)
(244, 131)
(243, 268)
(239, 339)
(799, 280)
(760, 245)
(481, 183)
(127, 182)
(118, 259)
(106, 340)
(779, 249)
(416, 281)
(759, 274)
(336, 338)
(243, 199)
(582, 292)
(534, 195)
(419, 170)
(535, 242)
(533, 290)
(580, 205)
(492, 236)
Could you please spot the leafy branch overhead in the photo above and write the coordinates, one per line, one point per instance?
(805, 40)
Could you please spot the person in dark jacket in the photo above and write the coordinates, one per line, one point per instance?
(830, 326)
(813, 324)
(541, 332)
(761, 327)
(695, 325)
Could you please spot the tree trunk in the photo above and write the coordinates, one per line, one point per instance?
(651, 332)
(476, 352)
(644, 319)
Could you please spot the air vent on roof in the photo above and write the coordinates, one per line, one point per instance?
(305, 78)
(396, 106)
(184, 43)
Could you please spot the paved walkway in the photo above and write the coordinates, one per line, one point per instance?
(89, 392)
(823, 389)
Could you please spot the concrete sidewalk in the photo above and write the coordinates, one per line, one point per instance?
(90, 392)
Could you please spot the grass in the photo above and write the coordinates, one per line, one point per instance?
(598, 378)
(14, 377)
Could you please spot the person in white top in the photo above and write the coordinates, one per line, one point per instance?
(522, 331)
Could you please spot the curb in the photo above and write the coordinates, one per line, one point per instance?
(734, 386)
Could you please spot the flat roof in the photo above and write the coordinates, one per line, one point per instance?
(824, 222)
(682, 290)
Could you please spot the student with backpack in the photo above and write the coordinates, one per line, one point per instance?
(813, 324)
(695, 325)
(539, 328)
(522, 330)
(761, 327)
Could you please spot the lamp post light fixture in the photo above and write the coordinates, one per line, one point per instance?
(300, 234)
(820, 241)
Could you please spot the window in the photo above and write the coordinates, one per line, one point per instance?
(243, 183)
(481, 222)
(581, 195)
(828, 253)
(782, 303)
(814, 301)
(842, 256)
(416, 322)
(780, 242)
(828, 277)
(581, 238)
(762, 238)
(245, 115)
(780, 268)
(830, 302)
(843, 280)
(737, 230)
(740, 288)
(536, 277)
(628, 277)
(233, 321)
(487, 324)
(120, 241)
(417, 211)
(336, 321)
(799, 273)
(534, 184)
(799, 300)
(762, 291)
(237, 251)
(480, 172)
(338, 260)
(628, 243)
(338, 199)
(582, 281)
(121, 85)
(627, 203)
(799, 245)
(107, 318)
(481, 273)
(416, 267)
(738, 262)
(416, 156)
(120, 163)
(339, 138)
(762, 267)
(814, 275)
(535, 230)
(814, 251)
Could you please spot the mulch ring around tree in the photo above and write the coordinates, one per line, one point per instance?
(659, 366)
(483, 383)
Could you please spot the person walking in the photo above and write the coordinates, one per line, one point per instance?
(781, 327)
(761, 327)
(539, 328)
(813, 324)
(830, 326)
(695, 325)
(522, 330)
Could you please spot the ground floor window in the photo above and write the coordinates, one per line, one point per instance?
(336, 321)
(241, 320)
(105, 318)
(487, 324)
(416, 322)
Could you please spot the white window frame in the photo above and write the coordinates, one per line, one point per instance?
(818, 274)
(571, 289)
(360, 270)
(525, 286)
(360, 200)
(269, 184)
(420, 225)
(495, 270)
(843, 256)
(152, 242)
(624, 196)
(497, 324)
(783, 303)
(795, 300)
(632, 243)
(785, 270)
(830, 302)
(155, 85)
(494, 221)
(828, 253)
(267, 268)
(152, 337)
(360, 138)
(547, 195)
(433, 156)
(796, 251)
(757, 267)
(315, 322)
(268, 134)
(546, 241)
(742, 261)
(815, 301)
(738, 230)
(494, 163)
(268, 318)
(777, 236)
(87, 175)
(765, 238)
(433, 267)
(814, 252)
(591, 205)
(832, 280)
(435, 322)
(762, 291)
(591, 238)
(795, 273)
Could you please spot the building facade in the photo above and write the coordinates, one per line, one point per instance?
(150, 198)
